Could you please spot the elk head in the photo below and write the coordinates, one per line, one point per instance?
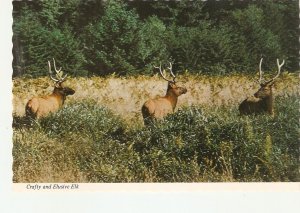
(263, 101)
(266, 86)
(172, 88)
(59, 79)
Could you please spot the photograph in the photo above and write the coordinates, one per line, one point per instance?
(116, 91)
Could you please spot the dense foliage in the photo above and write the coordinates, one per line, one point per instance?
(128, 37)
(85, 142)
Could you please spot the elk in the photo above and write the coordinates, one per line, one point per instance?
(38, 107)
(158, 108)
(263, 100)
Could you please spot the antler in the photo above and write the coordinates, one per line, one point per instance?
(50, 73)
(57, 71)
(59, 78)
(260, 71)
(279, 70)
(169, 68)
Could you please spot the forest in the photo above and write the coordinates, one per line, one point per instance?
(97, 37)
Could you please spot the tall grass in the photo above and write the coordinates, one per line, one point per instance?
(125, 96)
(85, 142)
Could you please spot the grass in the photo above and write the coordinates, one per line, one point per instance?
(130, 93)
(88, 141)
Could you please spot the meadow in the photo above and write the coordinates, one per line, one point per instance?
(99, 136)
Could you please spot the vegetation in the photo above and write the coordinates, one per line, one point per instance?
(85, 142)
(93, 140)
(127, 37)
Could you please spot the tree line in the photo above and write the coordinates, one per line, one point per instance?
(101, 37)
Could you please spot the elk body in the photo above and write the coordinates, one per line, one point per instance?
(263, 100)
(159, 107)
(38, 107)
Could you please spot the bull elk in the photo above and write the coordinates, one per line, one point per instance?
(38, 107)
(263, 99)
(159, 107)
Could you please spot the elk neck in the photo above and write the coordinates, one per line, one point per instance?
(172, 97)
(268, 102)
(59, 96)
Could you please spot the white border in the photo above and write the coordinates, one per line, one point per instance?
(157, 187)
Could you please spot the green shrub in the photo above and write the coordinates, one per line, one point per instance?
(250, 148)
(191, 145)
(84, 139)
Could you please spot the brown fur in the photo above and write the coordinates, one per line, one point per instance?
(262, 102)
(159, 107)
(38, 107)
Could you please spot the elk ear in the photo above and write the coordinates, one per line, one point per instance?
(272, 83)
(172, 84)
(58, 85)
(262, 85)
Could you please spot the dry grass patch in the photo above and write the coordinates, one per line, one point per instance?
(125, 96)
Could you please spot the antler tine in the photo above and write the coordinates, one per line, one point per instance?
(157, 67)
(57, 71)
(279, 68)
(161, 72)
(50, 73)
(64, 78)
(260, 71)
(170, 68)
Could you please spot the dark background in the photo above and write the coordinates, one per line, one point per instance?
(97, 37)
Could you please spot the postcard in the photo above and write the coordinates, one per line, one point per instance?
(151, 99)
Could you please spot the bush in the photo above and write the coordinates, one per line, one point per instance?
(88, 119)
(80, 143)
(234, 148)
(91, 144)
